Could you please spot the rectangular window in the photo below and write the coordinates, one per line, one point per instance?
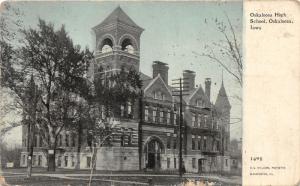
(88, 162)
(66, 161)
(67, 140)
(73, 140)
(59, 161)
(33, 160)
(199, 144)
(199, 120)
(193, 120)
(205, 121)
(122, 110)
(193, 144)
(129, 109)
(146, 114)
(204, 145)
(168, 143)
(39, 160)
(175, 118)
(226, 162)
(154, 115)
(73, 160)
(161, 117)
(168, 163)
(168, 117)
(60, 140)
(175, 163)
(194, 163)
(23, 159)
(35, 141)
(174, 144)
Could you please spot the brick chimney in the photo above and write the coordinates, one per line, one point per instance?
(189, 79)
(207, 87)
(162, 69)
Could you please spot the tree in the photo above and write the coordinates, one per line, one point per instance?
(58, 67)
(10, 23)
(110, 93)
(227, 52)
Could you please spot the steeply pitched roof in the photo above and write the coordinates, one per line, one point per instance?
(222, 99)
(192, 92)
(145, 79)
(118, 16)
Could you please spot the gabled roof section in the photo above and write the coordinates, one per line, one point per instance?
(118, 16)
(145, 80)
(222, 99)
(194, 92)
(153, 81)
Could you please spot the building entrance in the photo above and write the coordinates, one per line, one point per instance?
(152, 154)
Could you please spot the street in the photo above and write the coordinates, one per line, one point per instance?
(78, 178)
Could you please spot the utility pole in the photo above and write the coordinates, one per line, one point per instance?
(32, 102)
(175, 93)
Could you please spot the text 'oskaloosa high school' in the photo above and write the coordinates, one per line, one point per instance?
(206, 131)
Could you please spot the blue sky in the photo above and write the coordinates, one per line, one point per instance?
(173, 30)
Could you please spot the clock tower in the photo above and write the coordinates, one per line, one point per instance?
(117, 44)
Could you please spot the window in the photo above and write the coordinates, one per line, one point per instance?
(73, 140)
(193, 143)
(199, 144)
(23, 159)
(60, 140)
(129, 140)
(129, 109)
(168, 143)
(154, 95)
(175, 118)
(194, 163)
(175, 163)
(34, 160)
(162, 96)
(174, 144)
(199, 103)
(161, 118)
(205, 120)
(35, 141)
(146, 114)
(67, 140)
(193, 120)
(122, 141)
(59, 161)
(226, 162)
(199, 120)
(154, 115)
(66, 161)
(39, 160)
(168, 163)
(88, 162)
(122, 110)
(73, 160)
(204, 145)
(106, 46)
(168, 117)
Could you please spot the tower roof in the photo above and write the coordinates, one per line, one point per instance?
(222, 99)
(118, 16)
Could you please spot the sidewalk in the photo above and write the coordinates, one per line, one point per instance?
(122, 177)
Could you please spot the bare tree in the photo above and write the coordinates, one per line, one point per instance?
(226, 52)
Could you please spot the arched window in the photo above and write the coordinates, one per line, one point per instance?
(127, 46)
(106, 45)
